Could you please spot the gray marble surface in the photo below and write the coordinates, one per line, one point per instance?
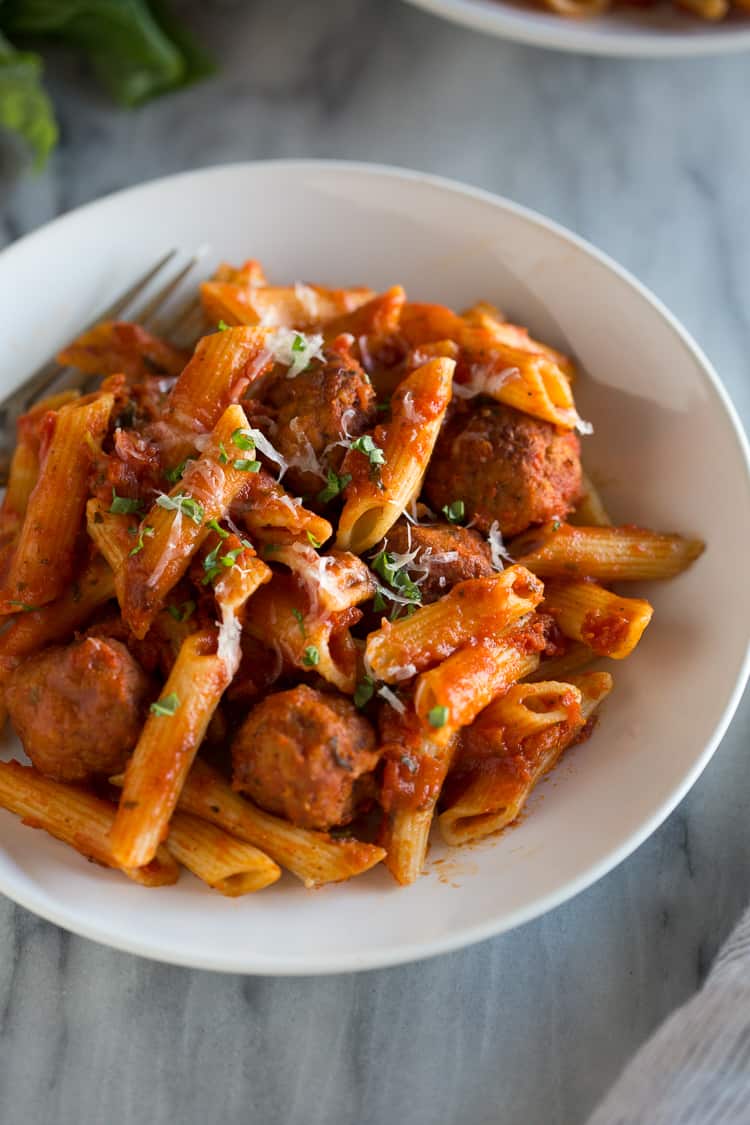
(651, 161)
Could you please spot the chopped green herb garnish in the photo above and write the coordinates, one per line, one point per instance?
(121, 505)
(312, 540)
(220, 531)
(24, 606)
(148, 532)
(184, 504)
(223, 455)
(383, 407)
(336, 484)
(556, 525)
(372, 452)
(438, 717)
(181, 612)
(397, 578)
(311, 657)
(243, 440)
(299, 618)
(455, 512)
(222, 326)
(364, 691)
(175, 474)
(230, 558)
(166, 706)
(245, 466)
(298, 344)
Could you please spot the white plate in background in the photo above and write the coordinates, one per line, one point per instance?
(625, 30)
(660, 416)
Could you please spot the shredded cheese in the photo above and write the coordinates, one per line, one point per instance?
(170, 546)
(483, 381)
(390, 697)
(228, 647)
(498, 550)
(295, 350)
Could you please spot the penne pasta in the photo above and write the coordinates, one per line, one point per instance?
(43, 564)
(590, 510)
(382, 488)
(229, 866)
(513, 744)
(113, 347)
(609, 554)
(452, 695)
(478, 607)
(24, 465)
(177, 524)
(78, 818)
(333, 582)
(164, 753)
(293, 306)
(269, 506)
(313, 857)
(575, 657)
(608, 624)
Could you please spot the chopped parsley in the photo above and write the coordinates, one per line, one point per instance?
(372, 452)
(223, 455)
(364, 692)
(242, 439)
(222, 326)
(336, 484)
(121, 505)
(454, 512)
(311, 657)
(181, 612)
(214, 563)
(383, 407)
(438, 717)
(167, 705)
(216, 526)
(397, 578)
(245, 466)
(312, 540)
(556, 525)
(299, 618)
(184, 504)
(175, 474)
(147, 532)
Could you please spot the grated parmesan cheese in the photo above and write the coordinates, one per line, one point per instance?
(305, 461)
(228, 647)
(264, 446)
(498, 550)
(483, 381)
(170, 546)
(295, 350)
(390, 697)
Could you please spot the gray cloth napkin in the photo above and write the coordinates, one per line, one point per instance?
(696, 1069)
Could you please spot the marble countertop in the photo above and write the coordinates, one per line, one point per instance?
(649, 160)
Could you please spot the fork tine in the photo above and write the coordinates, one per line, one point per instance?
(121, 303)
(183, 315)
(146, 314)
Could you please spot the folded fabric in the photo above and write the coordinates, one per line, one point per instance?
(696, 1069)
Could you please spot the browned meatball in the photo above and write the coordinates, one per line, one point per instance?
(328, 403)
(78, 709)
(306, 756)
(505, 466)
(448, 554)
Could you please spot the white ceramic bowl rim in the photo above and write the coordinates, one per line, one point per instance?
(405, 952)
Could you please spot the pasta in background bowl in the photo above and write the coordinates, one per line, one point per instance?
(653, 402)
(631, 28)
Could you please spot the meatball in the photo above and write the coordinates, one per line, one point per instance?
(450, 554)
(78, 709)
(505, 466)
(328, 403)
(306, 756)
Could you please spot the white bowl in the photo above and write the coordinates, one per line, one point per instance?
(667, 442)
(626, 31)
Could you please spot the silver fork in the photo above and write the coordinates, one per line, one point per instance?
(130, 305)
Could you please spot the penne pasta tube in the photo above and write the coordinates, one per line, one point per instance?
(511, 751)
(575, 657)
(609, 624)
(112, 347)
(226, 864)
(387, 477)
(313, 857)
(114, 536)
(474, 608)
(78, 818)
(177, 524)
(57, 621)
(44, 560)
(165, 750)
(706, 9)
(416, 766)
(333, 582)
(292, 306)
(222, 367)
(24, 465)
(452, 695)
(590, 510)
(609, 554)
(270, 506)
